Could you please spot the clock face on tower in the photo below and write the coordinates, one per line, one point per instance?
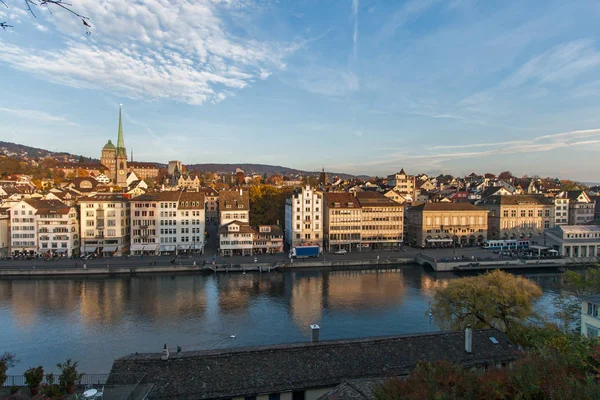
(121, 172)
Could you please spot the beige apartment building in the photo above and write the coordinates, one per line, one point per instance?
(402, 183)
(342, 222)
(382, 221)
(105, 225)
(513, 217)
(442, 224)
(304, 218)
(211, 198)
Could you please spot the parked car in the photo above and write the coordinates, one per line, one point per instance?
(341, 252)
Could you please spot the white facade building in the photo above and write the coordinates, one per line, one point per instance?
(574, 240)
(44, 227)
(304, 218)
(561, 209)
(181, 222)
(4, 232)
(105, 224)
(236, 239)
(590, 316)
(234, 205)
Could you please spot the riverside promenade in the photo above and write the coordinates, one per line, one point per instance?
(441, 260)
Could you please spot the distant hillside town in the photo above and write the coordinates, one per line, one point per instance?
(63, 205)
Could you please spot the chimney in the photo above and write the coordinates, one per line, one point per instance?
(315, 333)
(469, 339)
(165, 353)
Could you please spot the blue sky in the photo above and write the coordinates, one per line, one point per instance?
(357, 86)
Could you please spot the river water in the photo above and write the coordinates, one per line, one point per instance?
(95, 320)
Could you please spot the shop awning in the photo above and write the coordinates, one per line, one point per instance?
(150, 247)
(109, 249)
(60, 250)
(439, 240)
(167, 248)
(184, 247)
(198, 246)
(137, 247)
(90, 249)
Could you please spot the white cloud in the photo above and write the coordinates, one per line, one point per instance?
(37, 115)
(41, 28)
(153, 49)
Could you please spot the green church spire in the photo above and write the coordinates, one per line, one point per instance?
(120, 140)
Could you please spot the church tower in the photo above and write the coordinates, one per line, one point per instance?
(121, 157)
(108, 159)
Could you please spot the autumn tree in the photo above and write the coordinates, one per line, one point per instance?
(7, 360)
(531, 377)
(505, 176)
(275, 180)
(492, 300)
(567, 184)
(268, 205)
(240, 178)
(575, 285)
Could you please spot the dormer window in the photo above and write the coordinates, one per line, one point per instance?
(336, 204)
(350, 204)
(228, 206)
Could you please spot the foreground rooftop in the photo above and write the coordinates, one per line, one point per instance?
(228, 373)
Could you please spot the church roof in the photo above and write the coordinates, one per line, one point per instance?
(109, 145)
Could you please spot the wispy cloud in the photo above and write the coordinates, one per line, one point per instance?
(560, 65)
(355, 35)
(409, 10)
(327, 81)
(556, 65)
(37, 115)
(544, 143)
(154, 50)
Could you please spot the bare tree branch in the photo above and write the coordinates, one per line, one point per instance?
(31, 4)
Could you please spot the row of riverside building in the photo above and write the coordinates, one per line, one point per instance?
(71, 223)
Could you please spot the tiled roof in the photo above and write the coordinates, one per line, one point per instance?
(238, 372)
(105, 197)
(244, 228)
(139, 164)
(517, 199)
(189, 198)
(44, 207)
(234, 199)
(208, 191)
(356, 389)
(275, 230)
(343, 200)
(374, 199)
(492, 190)
(446, 207)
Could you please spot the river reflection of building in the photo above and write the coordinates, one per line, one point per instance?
(349, 290)
(237, 290)
(28, 299)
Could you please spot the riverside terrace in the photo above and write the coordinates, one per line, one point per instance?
(308, 370)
